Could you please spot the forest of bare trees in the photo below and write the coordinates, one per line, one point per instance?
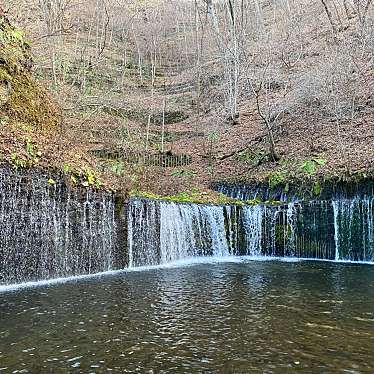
(283, 61)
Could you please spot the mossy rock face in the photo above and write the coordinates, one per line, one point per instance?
(22, 99)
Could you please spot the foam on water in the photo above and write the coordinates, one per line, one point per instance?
(194, 261)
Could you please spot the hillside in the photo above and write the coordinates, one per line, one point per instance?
(167, 97)
(26, 107)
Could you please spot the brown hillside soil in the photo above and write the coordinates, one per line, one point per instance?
(111, 116)
(32, 132)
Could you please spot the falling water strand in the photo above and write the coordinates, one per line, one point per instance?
(253, 217)
(289, 235)
(47, 231)
(353, 225)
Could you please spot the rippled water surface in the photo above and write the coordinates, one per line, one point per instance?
(244, 317)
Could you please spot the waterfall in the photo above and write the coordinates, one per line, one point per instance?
(239, 192)
(353, 227)
(161, 232)
(217, 229)
(143, 233)
(289, 234)
(49, 231)
(253, 217)
(337, 227)
(331, 190)
(335, 205)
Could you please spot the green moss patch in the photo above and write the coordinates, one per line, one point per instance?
(22, 99)
(200, 197)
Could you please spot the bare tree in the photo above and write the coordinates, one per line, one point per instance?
(53, 12)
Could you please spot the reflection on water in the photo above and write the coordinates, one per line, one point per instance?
(234, 317)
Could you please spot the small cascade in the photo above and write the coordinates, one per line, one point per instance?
(239, 192)
(353, 225)
(49, 231)
(215, 223)
(314, 230)
(335, 205)
(249, 192)
(143, 233)
(161, 232)
(292, 192)
(289, 230)
(253, 218)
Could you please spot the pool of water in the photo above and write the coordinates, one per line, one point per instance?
(242, 317)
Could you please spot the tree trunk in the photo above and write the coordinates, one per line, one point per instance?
(163, 126)
(272, 151)
(329, 15)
